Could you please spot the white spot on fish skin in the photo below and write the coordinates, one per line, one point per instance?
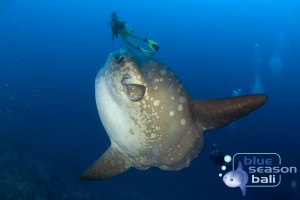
(163, 72)
(153, 135)
(182, 122)
(161, 80)
(139, 77)
(156, 87)
(182, 99)
(152, 99)
(171, 113)
(180, 107)
(172, 98)
(156, 102)
(156, 80)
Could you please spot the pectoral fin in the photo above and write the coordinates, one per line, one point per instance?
(215, 113)
(135, 92)
(110, 164)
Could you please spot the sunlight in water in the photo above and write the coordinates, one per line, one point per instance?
(276, 66)
(257, 86)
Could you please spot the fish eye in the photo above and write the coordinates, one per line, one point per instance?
(231, 179)
(119, 59)
(125, 79)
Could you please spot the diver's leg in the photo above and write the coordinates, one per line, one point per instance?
(125, 38)
(153, 45)
(131, 34)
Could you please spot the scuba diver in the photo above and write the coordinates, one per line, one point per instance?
(119, 26)
(218, 158)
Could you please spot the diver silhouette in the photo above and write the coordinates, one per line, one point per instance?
(218, 157)
(120, 27)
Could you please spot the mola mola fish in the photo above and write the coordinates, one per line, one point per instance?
(150, 119)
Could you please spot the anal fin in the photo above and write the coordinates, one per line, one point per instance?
(110, 164)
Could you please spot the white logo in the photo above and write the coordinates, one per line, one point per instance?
(255, 170)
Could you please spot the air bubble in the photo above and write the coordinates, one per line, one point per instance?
(227, 158)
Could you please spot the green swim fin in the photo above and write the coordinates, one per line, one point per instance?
(153, 45)
(145, 51)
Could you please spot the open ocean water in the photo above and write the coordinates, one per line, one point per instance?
(50, 131)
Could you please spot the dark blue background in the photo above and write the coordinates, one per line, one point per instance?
(50, 52)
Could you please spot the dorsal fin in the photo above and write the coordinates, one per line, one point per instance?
(110, 164)
(215, 113)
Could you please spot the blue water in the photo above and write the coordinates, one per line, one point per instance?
(50, 52)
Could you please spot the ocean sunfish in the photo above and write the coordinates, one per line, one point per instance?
(150, 119)
(237, 178)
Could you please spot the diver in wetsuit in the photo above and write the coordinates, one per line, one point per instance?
(218, 158)
(119, 27)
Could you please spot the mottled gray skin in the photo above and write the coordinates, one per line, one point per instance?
(149, 117)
